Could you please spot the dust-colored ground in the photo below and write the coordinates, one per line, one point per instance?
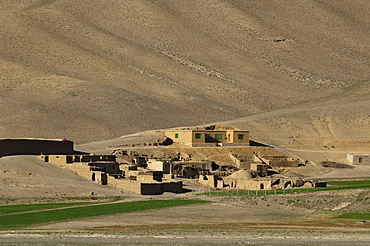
(69, 69)
(296, 74)
(189, 238)
(27, 177)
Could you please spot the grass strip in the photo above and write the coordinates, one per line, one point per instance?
(7, 209)
(360, 216)
(350, 183)
(14, 221)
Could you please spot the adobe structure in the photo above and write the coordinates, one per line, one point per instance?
(222, 159)
(31, 146)
(104, 170)
(209, 136)
(241, 167)
(247, 180)
(358, 159)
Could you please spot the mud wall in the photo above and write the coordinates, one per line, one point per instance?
(35, 147)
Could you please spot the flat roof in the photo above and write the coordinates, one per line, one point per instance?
(42, 139)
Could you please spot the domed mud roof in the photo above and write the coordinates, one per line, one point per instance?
(241, 174)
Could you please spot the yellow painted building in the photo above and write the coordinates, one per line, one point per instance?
(203, 137)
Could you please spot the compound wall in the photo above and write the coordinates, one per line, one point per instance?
(35, 147)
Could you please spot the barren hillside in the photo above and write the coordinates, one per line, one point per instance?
(93, 70)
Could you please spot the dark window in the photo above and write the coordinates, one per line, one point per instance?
(218, 136)
(240, 136)
(198, 135)
(176, 135)
(208, 136)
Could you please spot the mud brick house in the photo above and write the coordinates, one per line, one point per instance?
(358, 159)
(209, 137)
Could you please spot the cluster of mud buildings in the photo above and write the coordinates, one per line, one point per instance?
(147, 174)
(105, 170)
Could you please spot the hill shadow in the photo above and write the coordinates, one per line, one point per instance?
(77, 152)
(254, 143)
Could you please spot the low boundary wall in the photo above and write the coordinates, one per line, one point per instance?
(35, 147)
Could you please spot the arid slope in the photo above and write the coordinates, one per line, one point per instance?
(93, 70)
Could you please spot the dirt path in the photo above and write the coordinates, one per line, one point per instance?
(248, 237)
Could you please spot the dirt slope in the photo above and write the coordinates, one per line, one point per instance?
(27, 177)
(96, 70)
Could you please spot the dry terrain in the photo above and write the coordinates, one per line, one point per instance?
(96, 69)
(294, 73)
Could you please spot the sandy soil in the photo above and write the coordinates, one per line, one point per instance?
(27, 177)
(72, 70)
(189, 238)
(295, 75)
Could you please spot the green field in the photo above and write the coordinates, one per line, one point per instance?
(359, 216)
(8, 209)
(351, 183)
(19, 220)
